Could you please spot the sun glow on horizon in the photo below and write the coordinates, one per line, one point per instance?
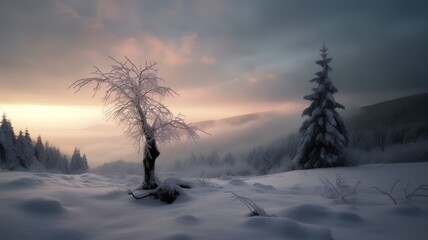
(51, 117)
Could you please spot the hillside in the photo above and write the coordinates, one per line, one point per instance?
(405, 111)
(237, 120)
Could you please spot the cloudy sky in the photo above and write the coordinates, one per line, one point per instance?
(224, 58)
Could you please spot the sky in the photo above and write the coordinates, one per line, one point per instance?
(223, 58)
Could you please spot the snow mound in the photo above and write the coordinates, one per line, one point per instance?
(110, 195)
(282, 228)
(318, 214)
(263, 188)
(43, 206)
(188, 220)
(180, 236)
(22, 183)
(237, 182)
(408, 211)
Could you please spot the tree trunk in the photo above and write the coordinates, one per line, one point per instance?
(151, 152)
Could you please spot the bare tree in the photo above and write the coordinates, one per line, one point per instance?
(132, 99)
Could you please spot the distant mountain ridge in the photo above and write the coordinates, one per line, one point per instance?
(404, 111)
(236, 120)
(408, 110)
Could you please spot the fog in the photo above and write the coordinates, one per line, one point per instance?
(236, 136)
(105, 142)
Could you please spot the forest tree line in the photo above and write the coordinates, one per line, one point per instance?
(22, 153)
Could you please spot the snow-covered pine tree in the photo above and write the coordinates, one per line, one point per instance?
(78, 164)
(61, 166)
(85, 166)
(323, 136)
(49, 156)
(39, 151)
(53, 155)
(25, 151)
(2, 149)
(229, 159)
(20, 147)
(75, 161)
(29, 143)
(11, 159)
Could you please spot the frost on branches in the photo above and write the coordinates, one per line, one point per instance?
(323, 136)
(133, 100)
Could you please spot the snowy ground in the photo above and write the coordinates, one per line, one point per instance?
(88, 206)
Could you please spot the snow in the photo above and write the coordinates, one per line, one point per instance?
(89, 206)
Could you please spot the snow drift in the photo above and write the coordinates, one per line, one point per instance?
(88, 206)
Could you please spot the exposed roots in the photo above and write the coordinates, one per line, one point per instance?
(166, 192)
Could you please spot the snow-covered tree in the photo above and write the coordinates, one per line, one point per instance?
(24, 148)
(61, 165)
(2, 149)
(28, 154)
(229, 159)
(78, 164)
(39, 151)
(323, 136)
(9, 144)
(85, 166)
(75, 161)
(133, 99)
(53, 155)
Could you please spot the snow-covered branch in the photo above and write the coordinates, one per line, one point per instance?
(132, 99)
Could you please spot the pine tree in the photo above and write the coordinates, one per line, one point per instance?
(74, 162)
(61, 165)
(78, 164)
(11, 159)
(65, 166)
(53, 155)
(2, 149)
(39, 151)
(24, 147)
(20, 147)
(85, 166)
(323, 136)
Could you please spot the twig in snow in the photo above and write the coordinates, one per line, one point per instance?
(420, 191)
(385, 193)
(393, 185)
(254, 209)
(352, 192)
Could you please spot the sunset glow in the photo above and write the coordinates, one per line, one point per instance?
(52, 117)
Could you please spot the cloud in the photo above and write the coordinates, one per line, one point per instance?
(150, 47)
(208, 60)
(130, 48)
(169, 52)
(64, 9)
(378, 46)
